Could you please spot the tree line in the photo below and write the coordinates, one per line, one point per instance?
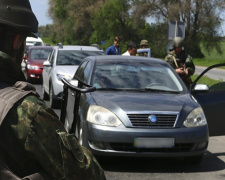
(99, 21)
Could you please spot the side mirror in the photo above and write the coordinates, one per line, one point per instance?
(200, 88)
(46, 64)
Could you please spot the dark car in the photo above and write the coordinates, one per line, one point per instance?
(35, 57)
(141, 108)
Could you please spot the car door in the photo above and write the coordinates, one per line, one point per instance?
(213, 103)
(47, 69)
(144, 52)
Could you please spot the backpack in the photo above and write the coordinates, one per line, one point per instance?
(8, 97)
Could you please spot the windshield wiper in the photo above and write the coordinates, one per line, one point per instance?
(160, 90)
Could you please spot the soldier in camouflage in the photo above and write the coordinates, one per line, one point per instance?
(180, 61)
(32, 139)
(143, 45)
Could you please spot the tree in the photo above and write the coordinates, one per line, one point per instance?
(156, 35)
(113, 19)
(72, 19)
(202, 19)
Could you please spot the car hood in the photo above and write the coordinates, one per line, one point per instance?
(123, 103)
(141, 101)
(66, 70)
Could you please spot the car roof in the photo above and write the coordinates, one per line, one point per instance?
(78, 48)
(34, 39)
(130, 58)
(40, 47)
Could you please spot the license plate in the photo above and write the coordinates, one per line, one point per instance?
(154, 142)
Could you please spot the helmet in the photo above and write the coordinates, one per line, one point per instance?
(18, 14)
(178, 42)
(144, 42)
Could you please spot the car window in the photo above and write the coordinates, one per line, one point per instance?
(215, 84)
(39, 54)
(135, 75)
(74, 57)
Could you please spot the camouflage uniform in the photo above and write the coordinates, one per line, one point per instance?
(183, 61)
(33, 139)
(143, 42)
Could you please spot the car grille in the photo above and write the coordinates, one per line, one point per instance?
(163, 120)
(128, 147)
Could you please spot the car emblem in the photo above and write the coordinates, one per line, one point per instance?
(152, 119)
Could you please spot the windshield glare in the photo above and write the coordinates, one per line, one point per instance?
(74, 57)
(135, 75)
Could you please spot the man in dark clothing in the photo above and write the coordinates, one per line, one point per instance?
(180, 61)
(32, 139)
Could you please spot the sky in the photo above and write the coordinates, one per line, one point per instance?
(40, 9)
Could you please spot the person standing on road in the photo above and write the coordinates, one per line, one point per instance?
(115, 48)
(33, 141)
(143, 45)
(131, 49)
(180, 61)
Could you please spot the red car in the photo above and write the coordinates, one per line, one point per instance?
(34, 59)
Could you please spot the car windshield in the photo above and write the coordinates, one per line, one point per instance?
(40, 54)
(74, 57)
(144, 76)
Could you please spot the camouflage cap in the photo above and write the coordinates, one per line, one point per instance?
(144, 42)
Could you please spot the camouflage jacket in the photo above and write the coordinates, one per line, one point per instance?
(33, 139)
(182, 61)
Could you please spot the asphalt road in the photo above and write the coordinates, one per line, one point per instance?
(216, 73)
(212, 166)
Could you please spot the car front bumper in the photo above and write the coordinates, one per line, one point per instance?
(111, 141)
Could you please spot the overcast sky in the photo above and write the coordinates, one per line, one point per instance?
(40, 8)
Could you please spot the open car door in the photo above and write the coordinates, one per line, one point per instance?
(144, 52)
(212, 102)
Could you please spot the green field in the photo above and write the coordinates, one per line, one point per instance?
(212, 58)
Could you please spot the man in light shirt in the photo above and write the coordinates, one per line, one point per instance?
(131, 49)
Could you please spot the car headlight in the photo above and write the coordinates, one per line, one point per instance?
(32, 67)
(195, 118)
(102, 116)
(60, 76)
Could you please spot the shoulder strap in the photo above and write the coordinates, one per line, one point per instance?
(10, 95)
(175, 61)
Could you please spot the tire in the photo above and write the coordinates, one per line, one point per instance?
(45, 96)
(52, 100)
(195, 160)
